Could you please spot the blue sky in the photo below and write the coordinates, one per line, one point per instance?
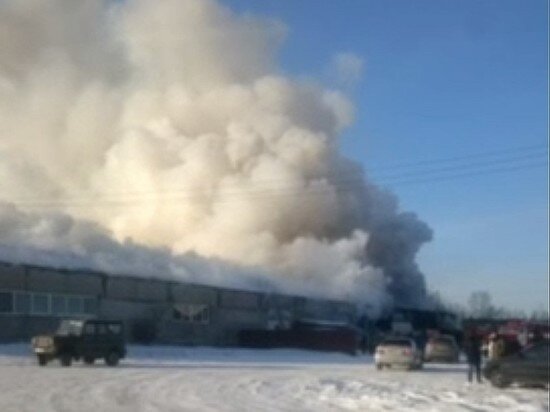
(445, 79)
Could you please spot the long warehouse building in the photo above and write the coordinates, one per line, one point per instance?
(34, 299)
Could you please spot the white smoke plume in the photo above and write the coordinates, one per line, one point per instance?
(161, 136)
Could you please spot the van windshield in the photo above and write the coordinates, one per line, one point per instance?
(70, 327)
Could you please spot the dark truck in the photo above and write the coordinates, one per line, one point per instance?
(82, 339)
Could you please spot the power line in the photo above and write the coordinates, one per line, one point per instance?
(486, 154)
(509, 159)
(281, 193)
(334, 178)
(337, 184)
(468, 174)
(351, 184)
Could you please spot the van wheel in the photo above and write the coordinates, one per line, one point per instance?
(112, 359)
(42, 360)
(89, 360)
(66, 360)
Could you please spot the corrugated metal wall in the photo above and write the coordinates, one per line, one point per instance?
(180, 312)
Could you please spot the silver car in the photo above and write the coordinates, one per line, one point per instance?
(442, 349)
(401, 352)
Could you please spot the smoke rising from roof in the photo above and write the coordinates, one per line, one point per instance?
(162, 137)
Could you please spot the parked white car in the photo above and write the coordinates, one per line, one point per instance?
(401, 352)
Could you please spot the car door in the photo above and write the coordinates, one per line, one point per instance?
(544, 364)
(536, 364)
(103, 342)
(114, 331)
(513, 367)
(526, 367)
(89, 340)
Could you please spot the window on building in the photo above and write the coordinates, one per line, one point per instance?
(114, 328)
(90, 306)
(22, 302)
(40, 304)
(201, 314)
(193, 313)
(59, 305)
(46, 304)
(6, 302)
(89, 329)
(74, 305)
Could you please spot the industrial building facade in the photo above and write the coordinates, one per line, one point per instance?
(34, 299)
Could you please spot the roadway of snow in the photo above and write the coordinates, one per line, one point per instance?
(207, 379)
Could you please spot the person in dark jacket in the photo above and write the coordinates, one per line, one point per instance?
(473, 353)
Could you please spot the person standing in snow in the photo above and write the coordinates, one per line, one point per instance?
(491, 346)
(497, 346)
(473, 353)
(500, 347)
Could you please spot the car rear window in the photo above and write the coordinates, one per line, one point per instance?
(443, 341)
(397, 342)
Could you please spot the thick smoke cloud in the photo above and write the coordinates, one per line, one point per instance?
(161, 138)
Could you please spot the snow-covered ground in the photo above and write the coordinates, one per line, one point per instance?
(207, 379)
